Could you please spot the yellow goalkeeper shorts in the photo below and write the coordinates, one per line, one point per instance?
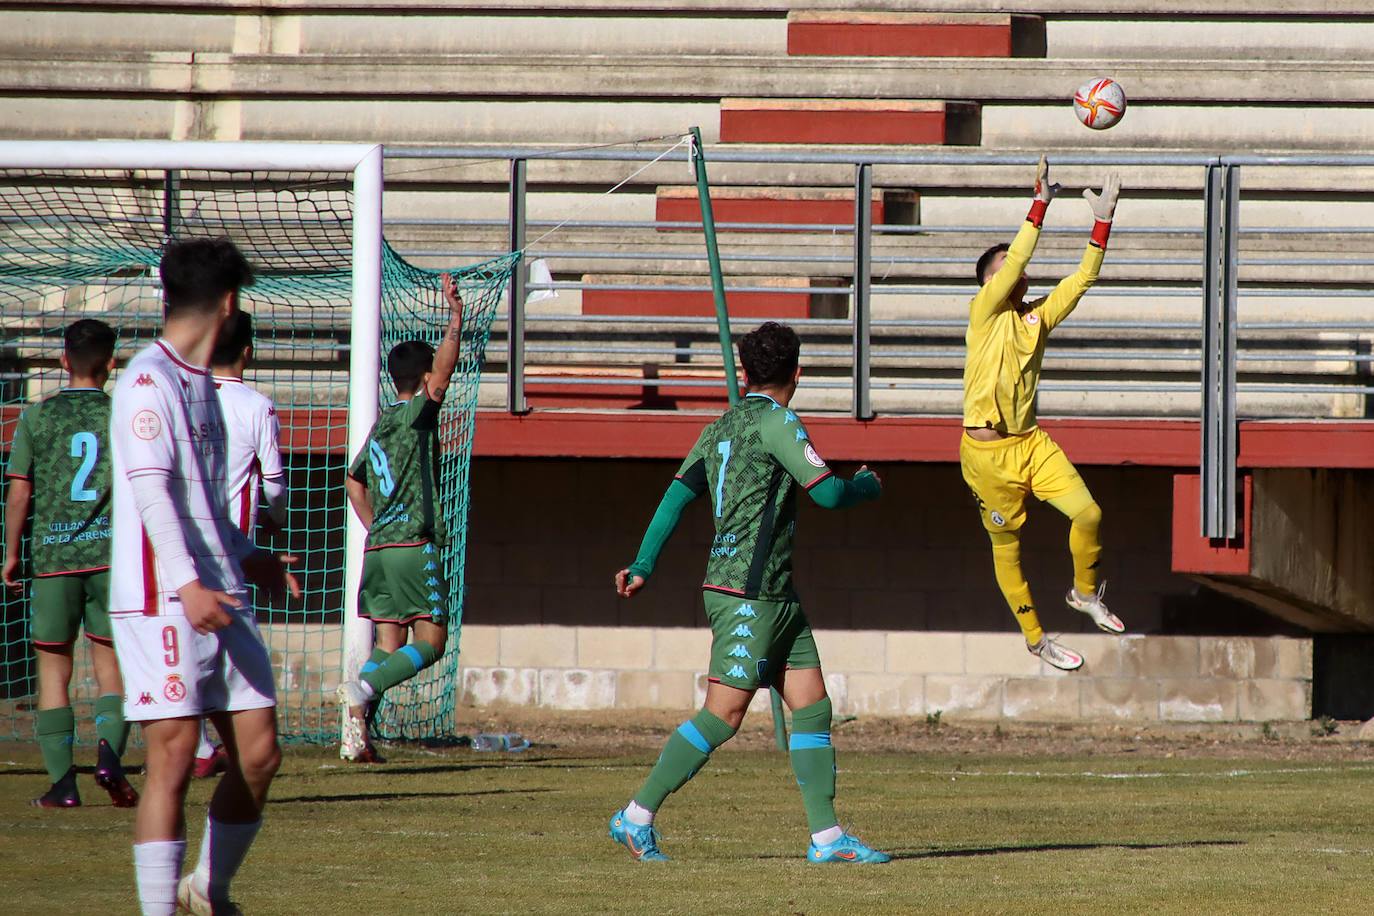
(1001, 473)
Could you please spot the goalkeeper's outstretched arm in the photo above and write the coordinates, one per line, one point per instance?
(631, 579)
(1070, 290)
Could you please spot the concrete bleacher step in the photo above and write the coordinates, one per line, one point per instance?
(827, 206)
(781, 297)
(906, 122)
(870, 33)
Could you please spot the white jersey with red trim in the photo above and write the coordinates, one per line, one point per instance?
(254, 453)
(166, 424)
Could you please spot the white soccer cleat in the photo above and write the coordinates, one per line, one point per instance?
(191, 900)
(1053, 653)
(1096, 608)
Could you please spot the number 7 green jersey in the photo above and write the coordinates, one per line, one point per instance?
(746, 462)
(60, 446)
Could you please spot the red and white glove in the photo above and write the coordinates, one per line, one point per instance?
(1044, 193)
(1104, 207)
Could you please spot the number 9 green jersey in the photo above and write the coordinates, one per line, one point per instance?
(60, 446)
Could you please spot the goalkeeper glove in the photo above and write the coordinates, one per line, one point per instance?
(1104, 207)
(1044, 193)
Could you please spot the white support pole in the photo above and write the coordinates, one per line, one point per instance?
(364, 375)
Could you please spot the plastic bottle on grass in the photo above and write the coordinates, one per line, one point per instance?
(509, 741)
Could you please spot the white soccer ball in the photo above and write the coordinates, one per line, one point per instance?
(1099, 103)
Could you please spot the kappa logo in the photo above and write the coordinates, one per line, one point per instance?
(144, 379)
(145, 699)
(174, 690)
(743, 631)
(1024, 609)
(736, 671)
(746, 610)
(739, 651)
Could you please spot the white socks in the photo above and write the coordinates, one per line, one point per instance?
(221, 853)
(827, 836)
(639, 815)
(206, 749)
(157, 868)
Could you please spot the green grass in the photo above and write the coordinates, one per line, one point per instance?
(460, 832)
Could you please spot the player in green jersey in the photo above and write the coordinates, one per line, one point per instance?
(60, 466)
(748, 463)
(393, 486)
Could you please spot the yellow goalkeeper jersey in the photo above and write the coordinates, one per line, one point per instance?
(1004, 347)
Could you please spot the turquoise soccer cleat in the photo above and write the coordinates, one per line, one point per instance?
(641, 841)
(846, 849)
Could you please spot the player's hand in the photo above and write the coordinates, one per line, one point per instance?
(268, 571)
(628, 584)
(1104, 204)
(11, 571)
(452, 297)
(205, 608)
(1044, 191)
(865, 469)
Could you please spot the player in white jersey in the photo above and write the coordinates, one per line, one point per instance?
(187, 643)
(254, 463)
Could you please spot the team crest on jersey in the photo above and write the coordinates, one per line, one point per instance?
(147, 424)
(812, 457)
(996, 518)
(1032, 318)
(174, 690)
(144, 379)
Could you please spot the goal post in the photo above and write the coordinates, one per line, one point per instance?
(82, 224)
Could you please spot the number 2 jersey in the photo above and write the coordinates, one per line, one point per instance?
(60, 446)
(746, 462)
(166, 422)
(399, 463)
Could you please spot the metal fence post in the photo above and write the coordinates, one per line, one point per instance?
(863, 261)
(1219, 276)
(515, 328)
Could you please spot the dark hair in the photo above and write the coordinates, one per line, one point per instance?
(235, 336)
(196, 273)
(89, 343)
(769, 353)
(407, 362)
(986, 259)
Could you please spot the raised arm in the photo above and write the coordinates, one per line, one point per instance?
(1060, 303)
(446, 356)
(993, 296)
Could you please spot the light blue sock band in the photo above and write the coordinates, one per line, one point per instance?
(694, 736)
(805, 741)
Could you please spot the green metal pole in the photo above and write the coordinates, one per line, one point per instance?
(727, 349)
(708, 225)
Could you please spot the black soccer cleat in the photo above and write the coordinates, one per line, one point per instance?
(109, 775)
(62, 794)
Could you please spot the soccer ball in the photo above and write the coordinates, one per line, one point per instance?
(1099, 103)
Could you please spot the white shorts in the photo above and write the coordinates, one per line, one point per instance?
(171, 671)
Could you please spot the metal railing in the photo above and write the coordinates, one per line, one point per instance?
(1201, 278)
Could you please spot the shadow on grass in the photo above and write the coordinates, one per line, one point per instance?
(1055, 847)
(396, 796)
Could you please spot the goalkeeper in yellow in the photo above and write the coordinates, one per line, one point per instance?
(1004, 455)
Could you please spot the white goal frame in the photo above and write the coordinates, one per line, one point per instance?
(364, 163)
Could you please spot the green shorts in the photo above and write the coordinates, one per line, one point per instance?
(403, 584)
(64, 604)
(754, 640)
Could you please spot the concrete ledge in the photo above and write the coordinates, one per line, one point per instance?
(896, 121)
(976, 676)
(888, 34)
(783, 205)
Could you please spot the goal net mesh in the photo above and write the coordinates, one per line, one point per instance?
(86, 243)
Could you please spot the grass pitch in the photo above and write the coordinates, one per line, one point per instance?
(462, 832)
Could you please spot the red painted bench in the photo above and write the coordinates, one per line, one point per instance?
(874, 34)
(793, 299)
(784, 205)
(850, 121)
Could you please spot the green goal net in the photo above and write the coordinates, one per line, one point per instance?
(86, 243)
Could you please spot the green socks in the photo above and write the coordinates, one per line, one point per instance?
(401, 665)
(813, 761)
(109, 722)
(56, 733)
(687, 751)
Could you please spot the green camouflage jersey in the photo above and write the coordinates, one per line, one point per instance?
(60, 446)
(746, 462)
(400, 465)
